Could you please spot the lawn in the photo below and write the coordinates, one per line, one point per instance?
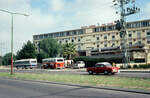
(90, 80)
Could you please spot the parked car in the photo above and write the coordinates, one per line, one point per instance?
(102, 67)
(79, 64)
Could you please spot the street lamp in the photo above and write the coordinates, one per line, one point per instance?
(12, 13)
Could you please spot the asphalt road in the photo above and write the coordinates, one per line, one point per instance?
(10, 88)
(76, 71)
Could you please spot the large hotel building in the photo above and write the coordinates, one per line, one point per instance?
(105, 41)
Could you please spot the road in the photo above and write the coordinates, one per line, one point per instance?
(10, 88)
(75, 71)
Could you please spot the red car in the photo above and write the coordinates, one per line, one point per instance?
(102, 67)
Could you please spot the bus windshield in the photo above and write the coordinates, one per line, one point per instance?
(60, 60)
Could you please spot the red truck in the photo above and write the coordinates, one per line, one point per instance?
(103, 67)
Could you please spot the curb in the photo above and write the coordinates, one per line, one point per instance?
(105, 88)
(135, 71)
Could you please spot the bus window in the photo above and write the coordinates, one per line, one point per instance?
(33, 61)
(60, 60)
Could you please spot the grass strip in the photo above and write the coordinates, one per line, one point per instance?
(91, 80)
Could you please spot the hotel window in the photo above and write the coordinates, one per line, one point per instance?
(45, 36)
(60, 42)
(121, 44)
(145, 23)
(72, 40)
(134, 40)
(105, 37)
(79, 47)
(148, 33)
(128, 25)
(139, 42)
(50, 35)
(68, 34)
(97, 38)
(148, 41)
(78, 39)
(56, 34)
(138, 34)
(66, 41)
(74, 32)
(97, 46)
(130, 43)
(113, 37)
(130, 35)
(61, 33)
(103, 28)
(110, 28)
(35, 38)
(134, 25)
(105, 45)
(113, 44)
(80, 31)
(143, 30)
(96, 30)
(138, 24)
(41, 36)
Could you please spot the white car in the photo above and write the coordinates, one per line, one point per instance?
(79, 64)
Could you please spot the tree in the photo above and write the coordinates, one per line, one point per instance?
(41, 55)
(68, 50)
(28, 51)
(48, 48)
(6, 59)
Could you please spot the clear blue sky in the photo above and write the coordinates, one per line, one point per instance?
(57, 15)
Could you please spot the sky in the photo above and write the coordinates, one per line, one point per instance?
(46, 16)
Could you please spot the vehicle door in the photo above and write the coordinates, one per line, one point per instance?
(97, 68)
(102, 68)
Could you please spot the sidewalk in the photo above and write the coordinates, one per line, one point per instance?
(135, 71)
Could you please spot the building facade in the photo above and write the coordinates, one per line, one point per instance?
(105, 40)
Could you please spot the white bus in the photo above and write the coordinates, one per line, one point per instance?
(25, 63)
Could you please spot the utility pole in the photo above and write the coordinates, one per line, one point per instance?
(12, 24)
(127, 7)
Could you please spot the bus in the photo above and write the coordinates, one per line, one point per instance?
(53, 63)
(25, 63)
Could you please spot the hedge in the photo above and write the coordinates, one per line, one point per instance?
(91, 61)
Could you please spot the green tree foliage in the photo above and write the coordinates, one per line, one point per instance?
(41, 55)
(68, 50)
(6, 59)
(28, 51)
(48, 48)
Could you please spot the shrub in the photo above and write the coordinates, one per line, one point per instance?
(121, 67)
(143, 66)
(135, 66)
(129, 66)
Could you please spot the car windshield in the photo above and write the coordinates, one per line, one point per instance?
(108, 64)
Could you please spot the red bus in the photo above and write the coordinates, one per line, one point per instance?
(53, 63)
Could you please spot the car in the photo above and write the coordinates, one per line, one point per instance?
(103, 67)
(79, 64)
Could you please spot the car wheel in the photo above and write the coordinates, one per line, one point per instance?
(112, 73)
(90, 72)
(105, 72)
